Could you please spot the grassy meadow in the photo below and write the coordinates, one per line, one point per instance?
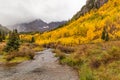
(99, 61)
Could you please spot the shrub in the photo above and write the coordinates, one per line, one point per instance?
(49, 45)
(65, 49)
(95, 63)
(23, 52)
(59, 54)
(11, 56)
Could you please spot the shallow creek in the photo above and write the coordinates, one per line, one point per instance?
(44, 67)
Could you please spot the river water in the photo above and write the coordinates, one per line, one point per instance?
(44, 67)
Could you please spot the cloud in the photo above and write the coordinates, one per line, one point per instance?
(18, 11)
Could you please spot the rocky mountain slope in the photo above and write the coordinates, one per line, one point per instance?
(90, 4)
(37, 25)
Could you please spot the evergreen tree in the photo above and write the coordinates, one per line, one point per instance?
(13, 41)
(32, 40)
(107, 37)
(1, 37)
(103, 34)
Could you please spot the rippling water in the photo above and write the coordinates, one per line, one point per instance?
(44, 67)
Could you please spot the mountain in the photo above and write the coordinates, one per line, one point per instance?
(56, 24)
(37, 25)
(89, 27)
(90, 4)
(4, 29)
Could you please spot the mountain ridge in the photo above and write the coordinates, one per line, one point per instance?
(37, 25)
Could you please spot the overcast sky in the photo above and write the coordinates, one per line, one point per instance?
(18, 11)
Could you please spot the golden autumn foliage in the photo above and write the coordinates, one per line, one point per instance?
(25, 37)
(88, 28)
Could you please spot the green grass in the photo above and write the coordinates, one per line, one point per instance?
(19, 59)
(2, 60)
(14, 60)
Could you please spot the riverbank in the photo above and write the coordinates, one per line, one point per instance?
(99, 61)
(44, 67)
(25, 52)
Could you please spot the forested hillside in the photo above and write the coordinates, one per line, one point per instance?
(88, 28)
